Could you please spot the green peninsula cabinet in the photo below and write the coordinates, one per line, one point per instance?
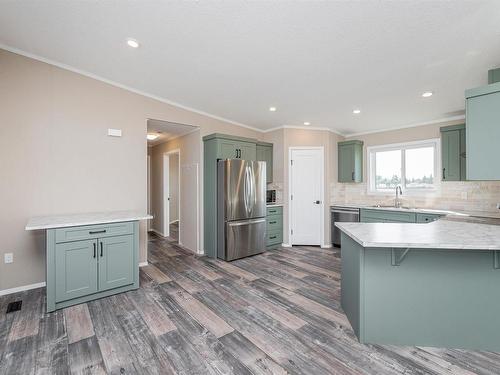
(483, 132)
(265, 153)
(453, 153)
(274, 227)
(350, 161)
(86, 262)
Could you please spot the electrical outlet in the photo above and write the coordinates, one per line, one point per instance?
(8, 257)
(464, 195)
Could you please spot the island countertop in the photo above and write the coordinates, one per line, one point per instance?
(440, 234)
(73, 220)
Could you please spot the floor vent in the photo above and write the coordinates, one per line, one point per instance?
(14, 306)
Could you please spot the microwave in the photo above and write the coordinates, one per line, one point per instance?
(271, 196)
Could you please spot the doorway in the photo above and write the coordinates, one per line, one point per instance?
(306, 198)
(171, 193)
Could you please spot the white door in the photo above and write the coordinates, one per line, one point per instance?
(306, 196)
(166, 195)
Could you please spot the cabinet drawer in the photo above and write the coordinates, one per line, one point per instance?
(388, 216)
(274, 237)
(274, 211)
(274, 223)
(93, 231)
(427, 218)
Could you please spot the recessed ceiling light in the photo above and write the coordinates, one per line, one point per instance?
(133, 43)
(272, 109)
(152, 137)
(356, 111)
(307, 123)
(427, 94)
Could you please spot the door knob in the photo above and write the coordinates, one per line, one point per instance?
(316, 202)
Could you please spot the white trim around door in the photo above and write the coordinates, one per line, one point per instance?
(166, 190)
(295, 200)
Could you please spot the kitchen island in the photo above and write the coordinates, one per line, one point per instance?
(435, 284)
(90, 256)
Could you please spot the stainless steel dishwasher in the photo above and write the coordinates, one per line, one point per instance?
(342, 214)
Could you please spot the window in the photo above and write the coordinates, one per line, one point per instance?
(411, 165)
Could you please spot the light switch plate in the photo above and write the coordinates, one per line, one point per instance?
(464, 195)
(115, 132)
(8, 257)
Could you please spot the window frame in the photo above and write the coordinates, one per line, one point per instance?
(370, 156)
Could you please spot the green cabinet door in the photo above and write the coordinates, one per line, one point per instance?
(450, 144)
(76, 269)
(483, 133)
(247, 150)
(116, 262)
(227, 149)
(453, 160)
(265, 153)
(350, 161)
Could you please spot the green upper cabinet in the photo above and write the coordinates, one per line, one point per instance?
(453, 153)
(483, 132)
(265, 153)
(350, 161)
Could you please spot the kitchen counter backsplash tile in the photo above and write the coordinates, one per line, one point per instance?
(460, 196)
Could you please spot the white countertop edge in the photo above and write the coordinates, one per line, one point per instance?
(65, 221)
(274, 205)
(418, 245)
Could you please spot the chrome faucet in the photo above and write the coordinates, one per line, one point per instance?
(397, 202)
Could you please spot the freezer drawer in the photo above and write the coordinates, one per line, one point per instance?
(244, 238)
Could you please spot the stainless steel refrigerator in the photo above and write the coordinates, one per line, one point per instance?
(241, 208)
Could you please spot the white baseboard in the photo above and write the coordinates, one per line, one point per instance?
(174, 221)
(142, 264)
(286, 245)
(21, 288)
(157, 232)
(326, 246)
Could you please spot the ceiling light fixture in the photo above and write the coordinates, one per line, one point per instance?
(356, 111)
(427, 94)
(307, 123)
(272, 109)
(133, 43)
(151, 137)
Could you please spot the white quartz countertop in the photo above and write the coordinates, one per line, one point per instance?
(73, 220)
(274, 205)
(440, 234)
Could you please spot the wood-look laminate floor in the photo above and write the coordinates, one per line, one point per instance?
(274, 313)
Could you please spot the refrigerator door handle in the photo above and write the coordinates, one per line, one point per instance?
(239, 224)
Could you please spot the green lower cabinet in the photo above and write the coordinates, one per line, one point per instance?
(274, 227)
(75, 269)
(390, 216)
(87, 269)
(116, 266)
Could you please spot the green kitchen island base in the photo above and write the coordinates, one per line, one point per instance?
(422, 297)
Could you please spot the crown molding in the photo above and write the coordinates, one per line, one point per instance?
(433, 122)
(121, 86)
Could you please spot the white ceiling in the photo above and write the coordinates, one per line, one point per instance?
(166, 130)
(314, 61)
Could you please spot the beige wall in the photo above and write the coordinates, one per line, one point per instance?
(466, 196)
(56, 157)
